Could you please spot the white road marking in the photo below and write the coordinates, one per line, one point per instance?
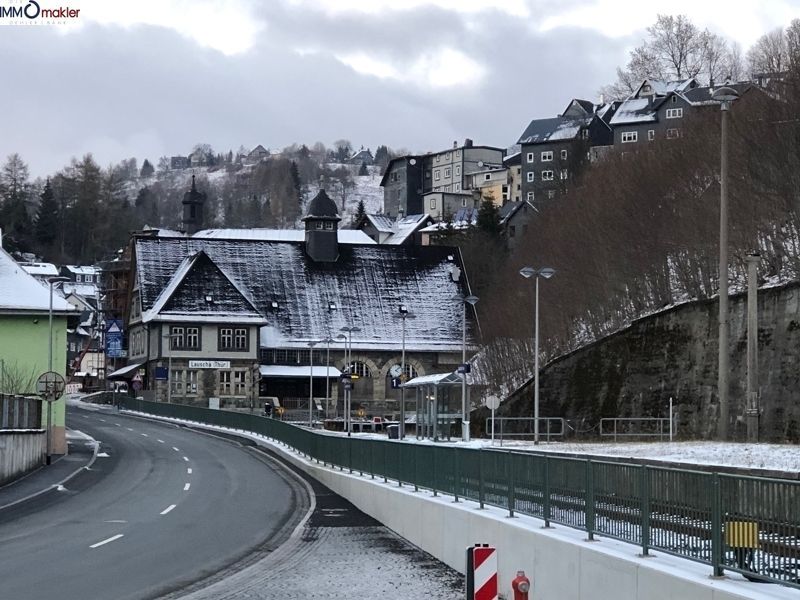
(189, 470)
(186, 487)
(103, 455)
(186, 458)
(111, 539)
(160, 441)
(176, 449)
(145, 435)
(103, 420)
(129, 429)
(117, 424)
(115, 521)
(168, 509)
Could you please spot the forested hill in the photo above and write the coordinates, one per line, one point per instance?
(84, 213)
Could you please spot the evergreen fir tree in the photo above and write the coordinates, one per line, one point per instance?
(489, 216)
(360, 212)
(296, 182)
(47, 221)
(363, 171)
(147, 169)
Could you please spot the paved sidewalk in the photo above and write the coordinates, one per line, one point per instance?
(80, 454)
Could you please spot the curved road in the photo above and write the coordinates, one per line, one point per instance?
(161, 508)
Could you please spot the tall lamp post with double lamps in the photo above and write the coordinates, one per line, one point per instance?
(348, 350)
(545, 273)
(52, 282)
(725, 96)
(471, 301)
(403, 314)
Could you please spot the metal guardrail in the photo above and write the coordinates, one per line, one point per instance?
(640, 427)
(523, 427)
(749, 525)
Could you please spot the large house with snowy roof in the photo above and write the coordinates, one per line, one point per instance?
(659, 109)
(554, 150)
(238, 317)
(25, 336)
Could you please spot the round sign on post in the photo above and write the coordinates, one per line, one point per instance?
(492, 403)
(136, 382)
(50, 386)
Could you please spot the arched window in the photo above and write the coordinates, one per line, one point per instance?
(359, 368)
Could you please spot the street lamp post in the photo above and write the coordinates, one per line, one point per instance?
(752, 410)
(527, 273)
(348, 394)
(403, 314)
(331, 307)
(169, 337)
(472, 301)
(311, 385)
(725, 96)
(53, 282)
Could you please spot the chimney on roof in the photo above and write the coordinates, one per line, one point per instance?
(467, 143)
(602, 99)
(455, 144)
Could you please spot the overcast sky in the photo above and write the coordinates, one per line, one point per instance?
(147, 78)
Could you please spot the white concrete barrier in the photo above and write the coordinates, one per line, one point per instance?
(560, 562)
(21, 450)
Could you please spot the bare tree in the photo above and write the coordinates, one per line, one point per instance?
(769, 54)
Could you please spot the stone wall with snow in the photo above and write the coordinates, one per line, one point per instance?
(634, 372)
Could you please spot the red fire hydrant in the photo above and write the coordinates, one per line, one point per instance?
(521, 586)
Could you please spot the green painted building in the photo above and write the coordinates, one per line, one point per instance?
(25, 334)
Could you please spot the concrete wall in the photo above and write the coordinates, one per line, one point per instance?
(20, 452)
(674, 353)
(561, 564)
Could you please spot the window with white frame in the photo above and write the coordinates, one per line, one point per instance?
(328, 224)
(563, 155)
(651, 134)
(530, 196)
(673, 133)
(438, 158)
(547, 156)
(487, 176)
(192, 338)
(437, 175)
(564, 174)
(359, 368)
(239, 382)
(457, 187)
(176, 339)
(176, 381)
(190, 382)
(225, 383)
(240, 339)
(630, 136)
(547, 176)
(551, 194)
(530, 176)
(433, 203)
(530, 157)
(447, 172)
(464, 202)
(458, 170)
(225, 338)
(674, 113)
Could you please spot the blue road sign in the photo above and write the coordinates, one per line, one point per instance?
(114, 339)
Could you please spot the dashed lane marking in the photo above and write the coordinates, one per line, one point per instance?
(186, 487)
(168, 509)
(145, 435)
(176, 449)
(186, 458)
(108, 541)
(160, 441)
(189, 470)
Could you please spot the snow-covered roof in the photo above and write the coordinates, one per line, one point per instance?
(346, 236)
(662, 88)
(79, 289)
(82, 270)
(635, 110)
(22, 292)
(127, 370)
(40, 269)
(382, 223)
(435, 379)
(291, 292)
(295, 371)
(553, 129)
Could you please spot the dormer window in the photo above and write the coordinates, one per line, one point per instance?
(319, 224)
(328, 225)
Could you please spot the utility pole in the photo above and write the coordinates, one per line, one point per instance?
(752, 410)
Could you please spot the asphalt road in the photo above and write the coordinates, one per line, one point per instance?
(161, 508)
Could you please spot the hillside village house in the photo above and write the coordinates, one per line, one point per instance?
(554, 150)
(236, 319)
(25, 337)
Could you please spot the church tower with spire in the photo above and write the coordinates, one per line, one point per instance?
(193, 202)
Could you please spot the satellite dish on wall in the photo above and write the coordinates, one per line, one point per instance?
(480, 164)
(413, 161)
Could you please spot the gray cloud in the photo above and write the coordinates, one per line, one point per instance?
(147, 91)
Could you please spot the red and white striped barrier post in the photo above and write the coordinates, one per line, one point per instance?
(482, 572)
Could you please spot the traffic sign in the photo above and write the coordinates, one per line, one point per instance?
(492, 402)
(50, 386)
(114, 339)
(136, 382)
(395, 383)
(347, 384)
(464, 368)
